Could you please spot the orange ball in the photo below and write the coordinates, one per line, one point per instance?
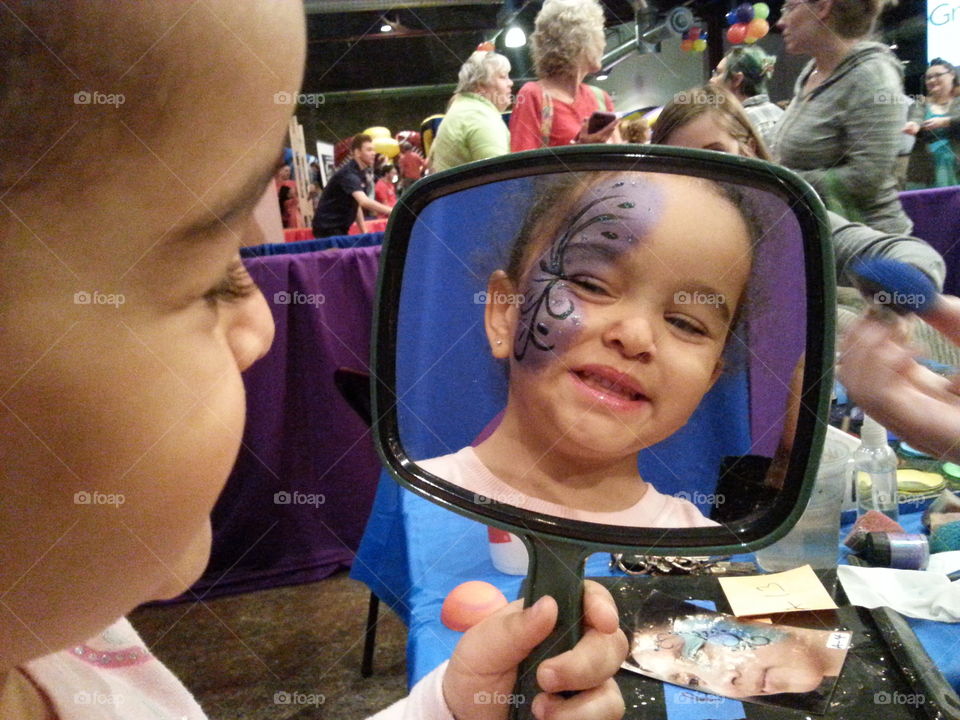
(469, 603)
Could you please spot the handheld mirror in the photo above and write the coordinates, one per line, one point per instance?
(603, 348)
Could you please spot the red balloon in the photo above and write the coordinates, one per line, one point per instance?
(757, 28)
(410, 136)
(736, 34)
(693, 33)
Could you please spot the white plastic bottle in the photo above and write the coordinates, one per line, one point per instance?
(875, 471)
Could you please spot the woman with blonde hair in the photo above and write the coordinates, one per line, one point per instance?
(567, 45)
(473, 128)
(842, 130)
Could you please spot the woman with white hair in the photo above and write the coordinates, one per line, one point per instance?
(567, 45)
(473, 127)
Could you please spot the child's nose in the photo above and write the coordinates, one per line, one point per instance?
(634, 337)
(250, 329)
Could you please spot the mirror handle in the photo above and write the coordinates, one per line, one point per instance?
(556, 569)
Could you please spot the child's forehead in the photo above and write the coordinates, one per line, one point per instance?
(611, 206)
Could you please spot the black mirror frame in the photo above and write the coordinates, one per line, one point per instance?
(745, 535)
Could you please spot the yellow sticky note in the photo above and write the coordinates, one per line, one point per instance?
(795, 590)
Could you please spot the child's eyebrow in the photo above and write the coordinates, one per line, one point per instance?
(603, 251)
(243, 199)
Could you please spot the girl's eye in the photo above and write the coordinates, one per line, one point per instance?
(686, 325)
(588, 284)
(235, 285)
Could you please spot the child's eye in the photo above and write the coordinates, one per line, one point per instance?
(588, 284)
(686, 325)
(235, 285)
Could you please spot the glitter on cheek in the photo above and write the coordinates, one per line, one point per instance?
(556, 323)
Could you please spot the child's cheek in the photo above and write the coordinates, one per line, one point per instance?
(551, 319)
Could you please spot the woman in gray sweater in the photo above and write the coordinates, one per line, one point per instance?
(841, 132)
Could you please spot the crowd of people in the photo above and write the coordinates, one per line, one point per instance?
(844, 130)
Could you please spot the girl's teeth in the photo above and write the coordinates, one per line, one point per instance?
(606, 384)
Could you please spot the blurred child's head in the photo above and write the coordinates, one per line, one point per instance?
(616, 304)
(708, 118)
(126, 319)
(635, 129)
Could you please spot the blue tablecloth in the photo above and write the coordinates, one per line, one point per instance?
(306, 246)
(414, 552)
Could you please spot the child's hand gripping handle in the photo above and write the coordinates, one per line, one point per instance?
(556, 569)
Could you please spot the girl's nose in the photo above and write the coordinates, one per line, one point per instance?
(634, 336)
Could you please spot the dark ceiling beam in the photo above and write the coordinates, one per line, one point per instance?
(393, 35)
(339, 6)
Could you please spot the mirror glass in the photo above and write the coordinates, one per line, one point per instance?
(622, 347)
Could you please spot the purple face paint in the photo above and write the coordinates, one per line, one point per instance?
(610, 219)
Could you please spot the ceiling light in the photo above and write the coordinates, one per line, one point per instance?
(386, 27)
(602, 75)
(515, 37)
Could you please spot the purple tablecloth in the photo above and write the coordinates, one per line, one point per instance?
(936, 219)
(295, 506)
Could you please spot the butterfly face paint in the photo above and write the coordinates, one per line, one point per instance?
(611, 218)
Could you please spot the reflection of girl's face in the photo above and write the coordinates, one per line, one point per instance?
(626, 313)
(771, 662)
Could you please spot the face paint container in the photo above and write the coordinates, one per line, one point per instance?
(952, 472)
(814, 539)
(905, 551)
(507, 551)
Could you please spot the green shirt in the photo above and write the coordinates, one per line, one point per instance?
(472, 129)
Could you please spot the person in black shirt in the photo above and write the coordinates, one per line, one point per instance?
(346, 194)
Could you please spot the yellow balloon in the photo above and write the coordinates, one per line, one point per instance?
(386, 146)
(377, 131)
